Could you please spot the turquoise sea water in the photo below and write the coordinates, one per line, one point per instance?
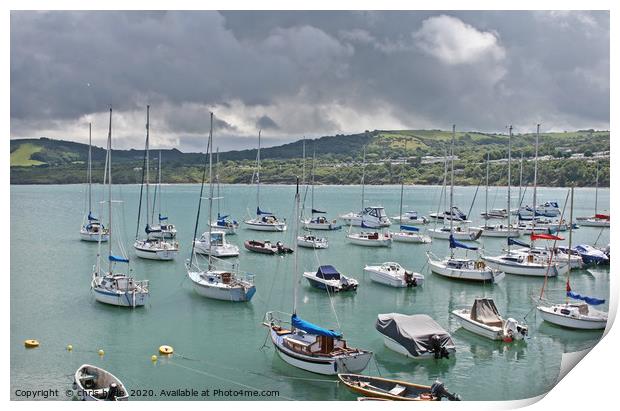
(219, 345)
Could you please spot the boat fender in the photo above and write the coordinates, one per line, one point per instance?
(31, 343)
(166, 350)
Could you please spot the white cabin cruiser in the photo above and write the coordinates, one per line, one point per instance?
(217, 246)
(464, 269)
(330, 279)
(548, 209)
(483, 318)
(394, 275)
(373, 216)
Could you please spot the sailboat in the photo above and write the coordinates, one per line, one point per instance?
(223, 222)
(152, 247)
(598, 219)
(320, 221)
(370, 238)
(163, 229)
(461, 268)
(264, 220)
(110, 287)
(308, 346)
(92, 229)
(215, 283)
(576, 315)
(408, 233)
(454, 214)
(498, 230)
(372, 216)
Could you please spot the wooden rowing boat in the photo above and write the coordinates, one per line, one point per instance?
(377, 387)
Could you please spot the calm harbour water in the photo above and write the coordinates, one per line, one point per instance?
(218, 344)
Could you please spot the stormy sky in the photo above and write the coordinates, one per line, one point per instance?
(297, 74)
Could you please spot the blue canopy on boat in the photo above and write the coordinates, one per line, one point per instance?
(162, 218)
(456, 244)
(315, 211)
(118, 259)
(512, 241)
(259, 212)
(312, 328)
(328, 272)
(91, 217)
(409, 228)
(589, 300)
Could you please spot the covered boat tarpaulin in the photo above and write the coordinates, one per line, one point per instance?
(512, 241)
(485, 311)
(589, 300)
(259, 212)
(419, 334)
(313, 329)
(409, 228)
(456, 244)
(118, 259)
(328, 272)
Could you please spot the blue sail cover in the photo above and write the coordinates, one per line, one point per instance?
(315, 211)
(118, 259)
(259, 212)
(91, 217)
(512, 241)
(313, 329)
(162, 218)
(589, 300)
(409, 228)
(456, 244)
(221, 217)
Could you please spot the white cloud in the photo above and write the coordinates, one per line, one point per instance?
(453, 42)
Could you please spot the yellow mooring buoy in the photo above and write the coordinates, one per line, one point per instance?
(166, 350)
(31, 343)
(69, 347)
(100, 352)
(154, 358)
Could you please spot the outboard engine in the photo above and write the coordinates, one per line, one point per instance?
(439, 351)
(514, 330)
(113, 392)
(438, 390)
(409, 280)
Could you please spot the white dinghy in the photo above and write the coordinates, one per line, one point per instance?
(484, 319)
(96, 384)
(394, 275)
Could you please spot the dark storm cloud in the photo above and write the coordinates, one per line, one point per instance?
(311, 73)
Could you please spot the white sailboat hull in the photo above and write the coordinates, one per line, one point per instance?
(526, 269)
(93, 237)
(570, 322)
(121, 299)
(407, 237)
(469, 235)
(219, 291)
(590, 222)
(227, 229)
(484, 275)
(307, 225)
(483, 330)
(380, 242)
(155, 253)
(261, 226)
(500, 233)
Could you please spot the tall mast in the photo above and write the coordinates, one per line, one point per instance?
(452, 178)
(258, 173)
(303, 162)
(147, 168)
(90, 170)
(445, 181)
(535, 174)
(295, 250)
(509, 176)
(313, 177)
(520, 180)
(570, 231)
(363, 175)
(217, 179)
(159, 184)
(210, 186)
(402, 187)
(486, 193)
(110, 193)
(595, 192)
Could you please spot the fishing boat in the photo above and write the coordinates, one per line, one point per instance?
(163, 229)
(155, 246)
(92, 229)
(370, 238)
(223, 222)
(215, 244)
(266, 247)
(92, 383)
(214, 282)
(330, 279)
(394, 275)
(110, 287)
(308, 346)
(591, 255)
(311, 241)
(264, 220)
(483, 318)
(416, 336)
(317, 220)
(378, 388)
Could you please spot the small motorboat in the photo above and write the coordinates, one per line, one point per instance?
(498, 230)
(410, 218)
(266, 247)
(310, 241)
(330, 279)
(320, 223)
(416, 336)
(376, 388)
(394, 275)
(96, 384)
(373, 216)
(483, 319)
(591, 255)
(574, 315)
(370, 239)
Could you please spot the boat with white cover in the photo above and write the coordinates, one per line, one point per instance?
(394, 275)
(327, 277)
(311, 241)
(483, 318)
(415, 336)
(93, 383)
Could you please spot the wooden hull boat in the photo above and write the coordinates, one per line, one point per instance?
(395, 390)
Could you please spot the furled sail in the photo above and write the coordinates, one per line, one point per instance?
(589, 300)
(313, 329)
(456, 244)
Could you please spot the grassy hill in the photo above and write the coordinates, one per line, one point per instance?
(47, 161)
